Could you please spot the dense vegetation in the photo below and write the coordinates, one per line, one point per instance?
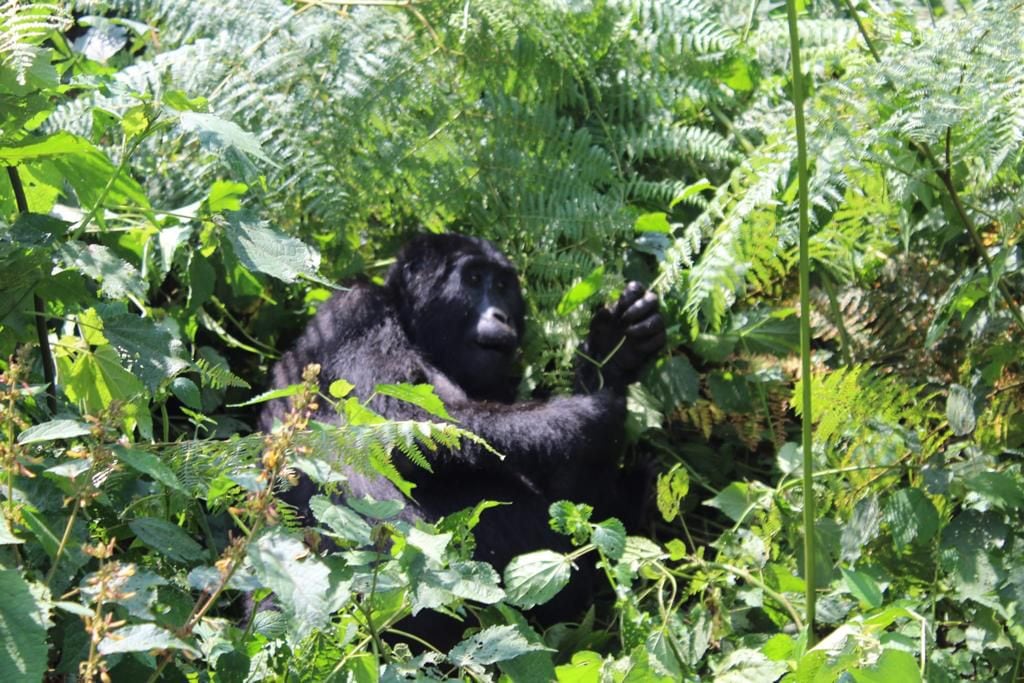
(182, 187)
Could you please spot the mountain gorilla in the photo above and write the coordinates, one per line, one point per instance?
(451, 314)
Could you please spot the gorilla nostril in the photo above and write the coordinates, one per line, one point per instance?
(499, 315)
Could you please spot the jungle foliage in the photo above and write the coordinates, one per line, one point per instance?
(182, 186)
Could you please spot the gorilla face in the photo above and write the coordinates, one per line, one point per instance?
(466, 312)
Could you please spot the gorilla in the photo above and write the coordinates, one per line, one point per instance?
(451, 314)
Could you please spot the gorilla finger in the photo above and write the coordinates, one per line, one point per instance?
(642, 308)
(634, 291)
(645, 328)
(653, 345)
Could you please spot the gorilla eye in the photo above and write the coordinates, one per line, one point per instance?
(473, 279)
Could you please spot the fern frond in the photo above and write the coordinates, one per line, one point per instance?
(23, 25)
(218, 376)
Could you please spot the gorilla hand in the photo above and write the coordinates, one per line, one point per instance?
(622, 341)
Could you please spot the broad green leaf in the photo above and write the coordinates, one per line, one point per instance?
(167, 538)
(97, 378)
(420, 395)
(217, 133)
(790, 459)
(675, 382)
(653, 222)
(150, 465)
(861, 529)
(911, 517)
(534, 578)
(378, 509)
(299, 579)
(960, 410)
(151, 350)
(53, 430)
(143, 638)
(117, 277)
(892, 665)
(186, 391)
(340, 388)
(56, 144)
(225, 195)
(610, 537)
(581, 291)
(23, 655)
(748, 666)
(863, 587)
(341, 520)
(1002, 489)
(489, 646)
(584, 667)
(264, 250)
(738, 499)
(431, 545)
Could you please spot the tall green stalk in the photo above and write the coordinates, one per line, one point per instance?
(805, 317)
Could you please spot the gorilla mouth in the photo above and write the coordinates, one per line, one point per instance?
(497, 340)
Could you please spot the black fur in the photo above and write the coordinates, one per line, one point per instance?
(451, 314)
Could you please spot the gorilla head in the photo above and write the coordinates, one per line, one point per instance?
(459, 302)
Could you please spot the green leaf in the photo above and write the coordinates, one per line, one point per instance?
(264, 250)
(420, 395)
(583, 290)
(57, 144)
(167, 538)
(610, 537)
(653, 222)
(117, 277)
(738, 499)
(340, 388)
(960, 410)
(534, 578)
(341, 520)
(150, 465)
(53, 430)
(489, 646)
(1000, 488)
(676, 383)
(789, 459)
(224, 196)
(143, 638)
(892, 665)
(377, 509)
(23, 656)
(863, 587)
(283, 392)
(150, 349)
(911, 517)
(299, 579)
(691, 190)
(217, 133)
(186, 391)
(584, 667)
(671, 489)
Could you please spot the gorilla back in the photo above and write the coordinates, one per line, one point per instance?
(451, 314)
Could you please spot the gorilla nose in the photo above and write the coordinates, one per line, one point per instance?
(497, 314)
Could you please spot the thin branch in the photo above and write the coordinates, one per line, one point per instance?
(39, 307)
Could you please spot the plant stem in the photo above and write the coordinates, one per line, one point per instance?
(38, 306)
(805, 319)
(77, 503)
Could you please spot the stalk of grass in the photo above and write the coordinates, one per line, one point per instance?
(805, 317)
